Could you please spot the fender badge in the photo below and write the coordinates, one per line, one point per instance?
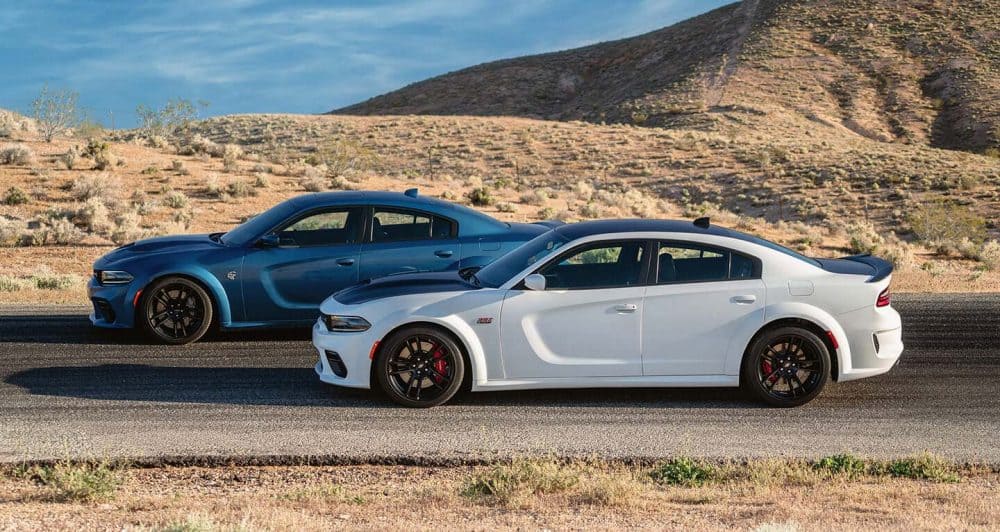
(484, 321)
(231, 275)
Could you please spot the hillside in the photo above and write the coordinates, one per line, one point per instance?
(921, 72)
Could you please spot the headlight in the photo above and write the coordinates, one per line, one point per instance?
(114, 277)
(346, 323)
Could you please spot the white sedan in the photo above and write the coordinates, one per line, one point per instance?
(617, 303)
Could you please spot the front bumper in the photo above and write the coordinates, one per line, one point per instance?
(112, 304)
(343, 356)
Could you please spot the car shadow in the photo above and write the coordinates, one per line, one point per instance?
(284, 386)
(76, 329)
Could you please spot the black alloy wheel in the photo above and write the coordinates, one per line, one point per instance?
(787, 366)
(176, 310)
(420, 367)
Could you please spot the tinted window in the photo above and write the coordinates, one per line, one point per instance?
(326, 228)
(742, 267)
(393, 225)
(604, 265)
(684, 263)
(503, 269)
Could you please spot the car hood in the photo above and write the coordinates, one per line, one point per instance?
(164, 244)
(402, 285)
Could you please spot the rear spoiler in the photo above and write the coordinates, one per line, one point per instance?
(883, 268)
(551, 224)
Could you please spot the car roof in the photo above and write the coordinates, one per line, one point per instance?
(598, 227)
(480, 222)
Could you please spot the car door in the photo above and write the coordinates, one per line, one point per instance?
(701, 297)
(587, 321)
(406, 240)
(313, 256)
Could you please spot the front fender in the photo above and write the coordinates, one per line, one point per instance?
(805, 311)
(454, 325)
(210, 282)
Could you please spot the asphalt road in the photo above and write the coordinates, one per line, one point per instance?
(67, 390)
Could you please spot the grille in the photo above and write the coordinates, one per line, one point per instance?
(336, 364)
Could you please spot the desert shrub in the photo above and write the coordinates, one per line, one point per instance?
(683, 471)
(610, 489)
(127, 228)
(864, 238)
(63, 232)
(88, 129)
(343, 156)
(69, 158)
(100, 152)
(534, 197)
(175, 199)
(341, 183)
(93, 215)
(7, 125)
(48, 281)
(18, 154)
(240, 189)
(15, 196)
(505, 206)
(260, 181)
(10, 232)
(101, 186)
(584, 191)
(943, 226)
(230, 158)
(589, 210)
(178, 166)
(197, 145)
(11, 284)
(55, 112)
(480, 197)
(512, 483)
(989, 255)
(899, 253)
(168, 121)
(449, 195)
(84, 482)
(923, 467)
(842, 464)
(213, 188)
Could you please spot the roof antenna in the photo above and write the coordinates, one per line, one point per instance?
(703, 222)
(411, 192)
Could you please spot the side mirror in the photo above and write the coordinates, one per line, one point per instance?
(269, 240)
(535, 281)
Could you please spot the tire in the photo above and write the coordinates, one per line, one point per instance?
(176, 311)
(432, 378)
(786, 367)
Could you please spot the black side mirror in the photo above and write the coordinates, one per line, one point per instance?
(269, 240)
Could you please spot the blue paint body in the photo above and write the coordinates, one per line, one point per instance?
(258, 286)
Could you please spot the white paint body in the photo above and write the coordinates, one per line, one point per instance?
(685, 335)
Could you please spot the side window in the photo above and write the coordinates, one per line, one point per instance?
(690, 263)
(394, 225)
(604, 265)
(326, 228)
(742, 267)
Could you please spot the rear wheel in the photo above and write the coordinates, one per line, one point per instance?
(420, 367)
(786, 366)
(176, 310)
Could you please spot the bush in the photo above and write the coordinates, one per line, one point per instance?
(86, 482)
(480, 197)
(127, 228)
(64, 232)
(213, 188)
(923, 467)
(241, 189)
(55, 282)
(683, 472)
(511, 483)
(101, 186)
(989, 255)
(943, 226)
(175, 199)
(10, 232)
(68, 159)
(55, 112)
(230, 158)
(10, 284)
(15, 196)
(93, 215)
(842, 464)
(864, 238)
(505, 206)
(18, 154)
(312, 180)
(168, 121)
(100, 152)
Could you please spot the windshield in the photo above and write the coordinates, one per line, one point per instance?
(503, 269)
(254, 227)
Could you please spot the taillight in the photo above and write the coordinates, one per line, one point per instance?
(883, 298)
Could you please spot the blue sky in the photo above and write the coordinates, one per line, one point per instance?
(296, 56)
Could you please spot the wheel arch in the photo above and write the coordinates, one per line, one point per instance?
(221, 315)
(471, 351)
(815, 320)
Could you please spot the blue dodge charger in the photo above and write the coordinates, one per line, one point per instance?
(275, 269)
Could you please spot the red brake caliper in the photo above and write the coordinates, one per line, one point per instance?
(440, 364)
(766, 366)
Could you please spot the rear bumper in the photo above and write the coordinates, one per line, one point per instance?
(875, 340)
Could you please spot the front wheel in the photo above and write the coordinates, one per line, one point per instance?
(176, 311)
(420, 367)
(785, 367)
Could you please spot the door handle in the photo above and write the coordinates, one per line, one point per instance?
(444, 253)
(345, 261)
(744, 300)
(629, 307)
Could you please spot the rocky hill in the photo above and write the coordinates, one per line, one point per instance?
(921, 72)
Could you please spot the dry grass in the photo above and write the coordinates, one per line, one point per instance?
(551, 494)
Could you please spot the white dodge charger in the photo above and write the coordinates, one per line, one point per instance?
(617, 303)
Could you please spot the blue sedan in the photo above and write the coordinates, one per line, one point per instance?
(275, 269)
